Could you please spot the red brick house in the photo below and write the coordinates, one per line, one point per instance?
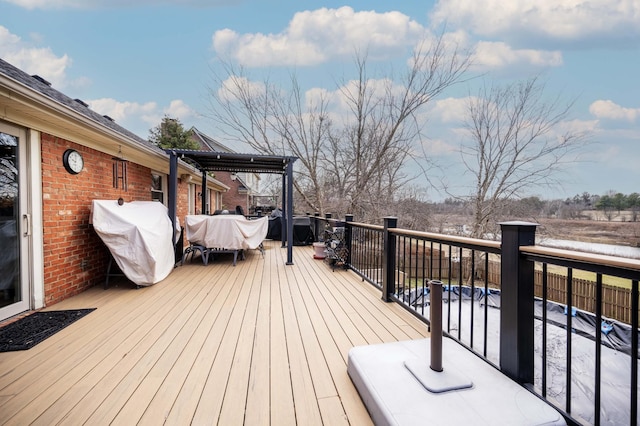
(56, 156)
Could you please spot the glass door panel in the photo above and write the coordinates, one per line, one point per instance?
(14, 296)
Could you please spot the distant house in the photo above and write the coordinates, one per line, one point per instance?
(56, 156)
(243, 187)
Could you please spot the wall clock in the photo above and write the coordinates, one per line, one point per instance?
(73, 161)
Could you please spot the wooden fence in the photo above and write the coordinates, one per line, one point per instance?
(616, 301)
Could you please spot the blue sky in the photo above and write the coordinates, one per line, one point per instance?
(138, 63)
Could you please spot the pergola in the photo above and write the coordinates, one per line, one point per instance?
(210, 161)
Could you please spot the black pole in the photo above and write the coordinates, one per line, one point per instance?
(290, 213)
(435, 322)
(203, 194)
(283, 218)
(173, 191)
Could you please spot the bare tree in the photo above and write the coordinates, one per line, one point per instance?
(382, 129)
(515, 145)
(273, 121)
(353, 166)
(8, 170)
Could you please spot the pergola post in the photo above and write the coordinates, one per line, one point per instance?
(203, 193)
(283, 218)
(173, 193)
(290, 213)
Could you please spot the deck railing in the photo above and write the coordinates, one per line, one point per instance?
(505, 314)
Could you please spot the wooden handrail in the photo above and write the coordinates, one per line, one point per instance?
(367, 226)
(493, 245)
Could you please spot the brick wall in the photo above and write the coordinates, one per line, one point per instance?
(75, 258)
(232, 197)
(182, 204)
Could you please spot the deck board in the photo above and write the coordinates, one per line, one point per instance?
(258, 343)
(257, 404)
(281, 403)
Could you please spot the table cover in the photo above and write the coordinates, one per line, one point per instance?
(226, 231)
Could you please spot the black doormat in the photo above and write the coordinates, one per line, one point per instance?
(27, 332)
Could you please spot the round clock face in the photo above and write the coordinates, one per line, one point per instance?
(73, 161)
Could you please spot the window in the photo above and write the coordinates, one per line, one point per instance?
(157, 192)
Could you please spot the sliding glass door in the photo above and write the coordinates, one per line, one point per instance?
(14, 222)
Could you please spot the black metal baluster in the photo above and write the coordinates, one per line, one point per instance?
(634, 353)
(598, 331)
(569, 332)
(402, 267)
(459, 294)
(424, 260)
(473, 287)
(381, 257)
(545, 279)
(448, 287)
(486, 304)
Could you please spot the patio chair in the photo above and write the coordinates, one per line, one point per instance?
(204, 253)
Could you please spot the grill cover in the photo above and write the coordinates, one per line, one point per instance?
(139, 236)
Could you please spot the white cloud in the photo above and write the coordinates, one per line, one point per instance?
(569, 20)
(313, 37)
(438, 147)
(577, 126)
(258, 50)
(33, 60)
(451, 110)
(499, 55)
(121, 111)
(236, 87)
(316, 96)
(225, 39)
(7, 40)
(341, 101)
(612, 111)
(178, 109)
(139, 118)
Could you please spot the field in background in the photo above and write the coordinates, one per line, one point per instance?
(592, 231)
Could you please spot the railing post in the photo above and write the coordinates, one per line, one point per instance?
(316, 215)
(327, 216)
(347, 236)
(389, 259)
(517, 303)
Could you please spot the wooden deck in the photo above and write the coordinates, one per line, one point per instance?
(260, 343)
